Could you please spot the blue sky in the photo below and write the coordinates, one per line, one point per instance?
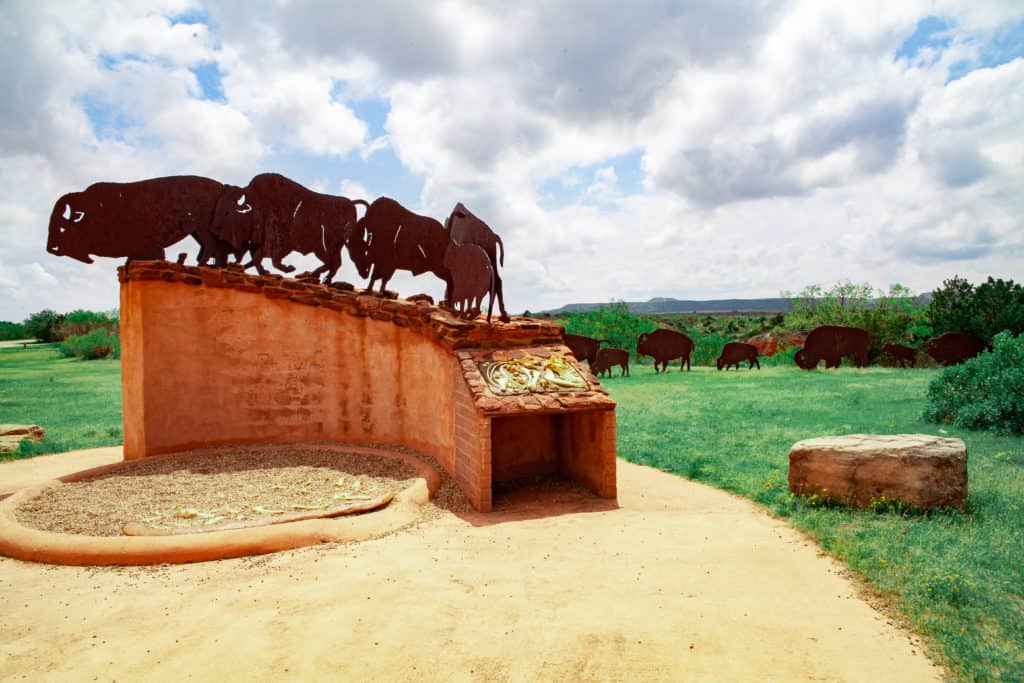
(714, 151)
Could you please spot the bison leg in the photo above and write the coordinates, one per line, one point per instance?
(283, 267)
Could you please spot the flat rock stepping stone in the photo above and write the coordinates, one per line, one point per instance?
(12, 435)
(859, 469)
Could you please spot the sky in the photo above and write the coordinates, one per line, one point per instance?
(622, 151)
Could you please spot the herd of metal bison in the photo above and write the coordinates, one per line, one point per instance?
(829, 343)
(272, 217)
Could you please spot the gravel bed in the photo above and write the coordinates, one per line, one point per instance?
(246, 483)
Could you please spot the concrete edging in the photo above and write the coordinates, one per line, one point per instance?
(36, 545)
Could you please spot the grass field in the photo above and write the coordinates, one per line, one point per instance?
(955, 577)
(77, 402)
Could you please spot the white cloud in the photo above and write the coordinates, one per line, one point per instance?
(781, 143)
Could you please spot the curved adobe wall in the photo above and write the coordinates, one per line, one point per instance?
(215, 356)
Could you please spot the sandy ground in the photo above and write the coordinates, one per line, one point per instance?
(677, 582)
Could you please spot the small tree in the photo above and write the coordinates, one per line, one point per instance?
(983, 311)
(43, 325)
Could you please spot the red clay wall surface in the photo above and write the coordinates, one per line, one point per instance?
(219, 357)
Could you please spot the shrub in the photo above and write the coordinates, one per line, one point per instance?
(99, 343)
(43, 325)
(613, 322)
(985, 392)
(9, 330)
(80, 322)
(991, 307)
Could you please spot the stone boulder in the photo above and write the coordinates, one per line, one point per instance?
(856, 469)
(12, 435)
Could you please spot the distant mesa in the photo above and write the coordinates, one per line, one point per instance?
(663, 304)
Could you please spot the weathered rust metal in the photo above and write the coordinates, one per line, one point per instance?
(734, 353)
(904, 355)
(471, 279)
(608, 358)
(531, 375)
(583, 347)
(137, 220)
(389, 237)
(466, 228)
(664, 346)
(274, 216)
(830, 343)
(953, 348)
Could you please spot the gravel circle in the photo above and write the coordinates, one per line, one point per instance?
(206, 489)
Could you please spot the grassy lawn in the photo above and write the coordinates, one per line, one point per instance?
(955, 577)
(77, 402)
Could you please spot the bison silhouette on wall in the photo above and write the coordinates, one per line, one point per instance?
(734, 353)
(830, 343)
(465, 228)
(664, 346)
(953, 348)
(470, 279)
(390, 237)
(606, 359)
(900, 354)
(583, 347)
(273, 216)
(137, 220)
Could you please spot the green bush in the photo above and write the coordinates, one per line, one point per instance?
(991, 307)
(80, 322)
(985, 392)
(43, 325)
(613, 322)
(99, 343)
(706, 347)
(9, 330)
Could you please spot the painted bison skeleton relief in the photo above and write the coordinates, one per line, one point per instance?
(273, 216)
(664, 346)
(137, 220)
(830, 343)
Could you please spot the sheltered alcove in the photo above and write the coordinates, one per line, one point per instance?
(217, 356)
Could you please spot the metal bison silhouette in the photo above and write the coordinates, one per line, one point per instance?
(272, 217)
(830, 343)
(665, 345)
(137, 220)
(953, 348)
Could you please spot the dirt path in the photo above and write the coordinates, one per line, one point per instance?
(680, 582)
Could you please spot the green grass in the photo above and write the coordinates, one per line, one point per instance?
(956, 577)
(77, 402)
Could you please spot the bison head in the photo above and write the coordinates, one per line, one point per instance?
(234, 220)
(358, 247)
(719, 363)
(641, 345)
(68, 235)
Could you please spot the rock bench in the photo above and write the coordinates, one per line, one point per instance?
(12, 435)
(857, 469)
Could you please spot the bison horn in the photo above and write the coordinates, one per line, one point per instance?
(67, 211)
(79, 215)
(247, 209)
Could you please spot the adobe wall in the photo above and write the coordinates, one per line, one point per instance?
(216, 356)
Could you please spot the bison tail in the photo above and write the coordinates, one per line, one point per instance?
(501, 252)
